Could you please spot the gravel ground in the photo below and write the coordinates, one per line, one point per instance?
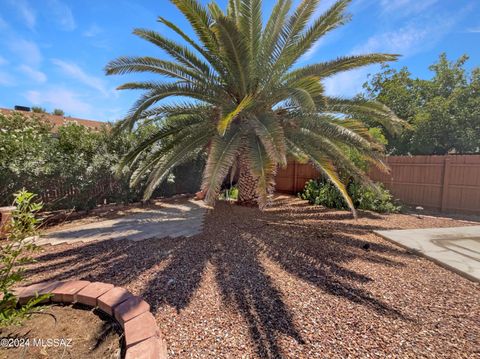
(295, 281)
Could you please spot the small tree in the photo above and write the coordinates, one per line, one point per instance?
(16, 253)
(38, 109)
(58, 112)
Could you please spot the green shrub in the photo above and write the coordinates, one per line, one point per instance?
(323, 192)
(229, 194)
(79, 162)
(15, 253)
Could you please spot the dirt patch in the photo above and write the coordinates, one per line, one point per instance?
(63, 332)
(294, 281)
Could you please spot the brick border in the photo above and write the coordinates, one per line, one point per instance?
(143, 339)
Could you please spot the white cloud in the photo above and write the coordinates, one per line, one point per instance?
(92, 31)
(474, 30)
(349, 83)
(35, 75)
(3, 61)
(417, 36)
(26, 12)
(62, 14)
(75, 72)
(58, 97)
(405, 7)
(28, 51)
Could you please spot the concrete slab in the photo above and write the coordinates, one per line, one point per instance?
(180, 217)
(456, 248)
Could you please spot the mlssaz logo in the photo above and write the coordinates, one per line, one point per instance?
(52, 342)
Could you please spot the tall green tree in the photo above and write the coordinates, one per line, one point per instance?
(246, 103)
(444, 112)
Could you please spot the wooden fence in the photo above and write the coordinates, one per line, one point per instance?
(448, 183)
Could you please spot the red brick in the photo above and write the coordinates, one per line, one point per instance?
(66, 291)
(91, 292)
(141, 328)
(153, 348)
(130, 309)
(26, 293)
(108, 301)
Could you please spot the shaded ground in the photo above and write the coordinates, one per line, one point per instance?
(63, 332)
(296, 281)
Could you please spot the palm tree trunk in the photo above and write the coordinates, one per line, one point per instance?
(246, 184)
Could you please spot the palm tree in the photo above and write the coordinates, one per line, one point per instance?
(246, 105)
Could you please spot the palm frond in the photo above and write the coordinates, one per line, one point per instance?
(340, 64)
(272, 137)
(376, 111)
(250, 25)
(263, 169)
(223, 151)
(200, 20)
(227, 119)
(179, 52)
(331, 19)
(234, 53)
(183, 152)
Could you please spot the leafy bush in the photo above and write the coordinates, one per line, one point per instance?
(79, 161)
(229, 193)
(17, 252)
(323, 192)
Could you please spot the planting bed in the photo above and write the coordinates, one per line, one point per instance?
(295, 281)
(78, 333)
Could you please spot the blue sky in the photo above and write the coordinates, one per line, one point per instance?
(52, 52)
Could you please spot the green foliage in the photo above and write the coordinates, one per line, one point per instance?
(245, 102)
(323, 192)
(58, 112)
(79, 158)
(38, 109)
(14, 254)
(230, 194)
(443, 112)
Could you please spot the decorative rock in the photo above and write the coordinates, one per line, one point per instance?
(91, 292)
(108, 301)
(27, 293)
(140, 328)
(66, 291)
(153, 348)
(142, 335)
(130, 309)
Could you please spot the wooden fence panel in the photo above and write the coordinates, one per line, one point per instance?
(449, 183)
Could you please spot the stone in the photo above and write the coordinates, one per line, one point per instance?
(91, 292)
(26, 293)
(66, 291)
(108, 301)
(130, 309)
(153, 348)
(140, 328)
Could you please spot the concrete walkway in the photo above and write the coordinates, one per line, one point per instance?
(174, 218)
(456, 248)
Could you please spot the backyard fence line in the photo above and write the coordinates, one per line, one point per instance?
(449, 183)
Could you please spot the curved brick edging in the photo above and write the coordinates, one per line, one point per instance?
(143, 339)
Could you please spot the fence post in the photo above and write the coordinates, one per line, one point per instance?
(445, 182)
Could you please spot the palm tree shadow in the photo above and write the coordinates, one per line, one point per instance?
(175, 267)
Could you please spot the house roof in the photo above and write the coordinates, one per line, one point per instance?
(58, 121)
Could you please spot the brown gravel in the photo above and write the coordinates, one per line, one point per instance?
(292, 282)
